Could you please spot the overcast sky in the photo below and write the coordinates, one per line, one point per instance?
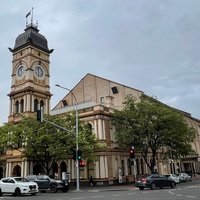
(150, 45)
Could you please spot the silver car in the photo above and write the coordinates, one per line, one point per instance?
(174, 177)
(184, 177)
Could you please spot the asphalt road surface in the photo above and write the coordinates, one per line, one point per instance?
(184, 191)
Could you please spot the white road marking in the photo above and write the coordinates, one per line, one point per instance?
(94, 197)
(191, 196)
(116, 195)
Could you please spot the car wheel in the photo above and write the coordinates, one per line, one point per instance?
(53, 188)
(33, 194)
(172, 185)
(141, 188)
(153, 186)
(17, 192)
(1, 192)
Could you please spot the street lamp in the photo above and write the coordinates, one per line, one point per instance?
(77, 161)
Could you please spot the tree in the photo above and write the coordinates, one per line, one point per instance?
(46, 143)
(153, 129)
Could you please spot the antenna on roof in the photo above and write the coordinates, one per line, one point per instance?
(32, 16)
(27, 15)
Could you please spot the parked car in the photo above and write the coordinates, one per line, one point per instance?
(17, 186)
(184, 177)
(154, 181)
(45, 183)
(174, 177)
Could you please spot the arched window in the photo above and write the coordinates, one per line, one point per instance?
(142, 166)
(22, 106)
(35, 105)
(17, 107)
(137, 166)
(55, 171)
(123, 167)
(16, 171)
(63, 168)
(129, 166)
(89, 126)
(42, 104)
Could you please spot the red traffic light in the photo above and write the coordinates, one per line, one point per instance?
(132, 152)
(81, 163)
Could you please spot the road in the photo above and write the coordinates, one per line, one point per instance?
(185, 191)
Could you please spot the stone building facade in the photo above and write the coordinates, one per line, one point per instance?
(96, 98)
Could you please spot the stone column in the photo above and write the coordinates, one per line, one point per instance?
(100, 129)
(25, 168)
(125, 167)
(73, 170)
(32, 107)
(96, 129)
(7, 169)
(103, 130)
(103, 167)
(22, 169)
(97, 167)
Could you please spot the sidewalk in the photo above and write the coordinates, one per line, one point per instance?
(106, 188)
(122, 187)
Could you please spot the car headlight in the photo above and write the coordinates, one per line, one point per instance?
(24, 185)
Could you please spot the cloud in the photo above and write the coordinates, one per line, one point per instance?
(148, 44)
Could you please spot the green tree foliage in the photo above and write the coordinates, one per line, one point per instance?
(46, 143)
(153, 128)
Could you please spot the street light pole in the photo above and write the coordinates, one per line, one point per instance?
(77, 161)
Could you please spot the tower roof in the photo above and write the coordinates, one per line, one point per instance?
(31, 36)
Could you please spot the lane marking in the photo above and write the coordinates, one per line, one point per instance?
(94, 197)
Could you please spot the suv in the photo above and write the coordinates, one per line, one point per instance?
(46, 183)
(153, 181)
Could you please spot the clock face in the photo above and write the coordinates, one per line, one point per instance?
(20, 71)
(39, 71)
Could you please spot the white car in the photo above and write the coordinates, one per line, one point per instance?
(17, 186)
(185, 177)
(174, 177)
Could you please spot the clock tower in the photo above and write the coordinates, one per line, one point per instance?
(30, 88)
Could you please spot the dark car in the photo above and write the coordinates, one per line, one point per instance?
(154, 181)
(45, 183)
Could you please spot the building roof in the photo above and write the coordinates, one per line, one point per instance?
(31, 36)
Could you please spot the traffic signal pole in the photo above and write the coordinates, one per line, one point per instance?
(132, 158)
(41, 119)
(77, 143)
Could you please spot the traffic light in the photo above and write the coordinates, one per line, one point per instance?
(81, 163)
(132, 152)
(79, 154)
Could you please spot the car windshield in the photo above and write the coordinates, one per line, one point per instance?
(21, 179)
